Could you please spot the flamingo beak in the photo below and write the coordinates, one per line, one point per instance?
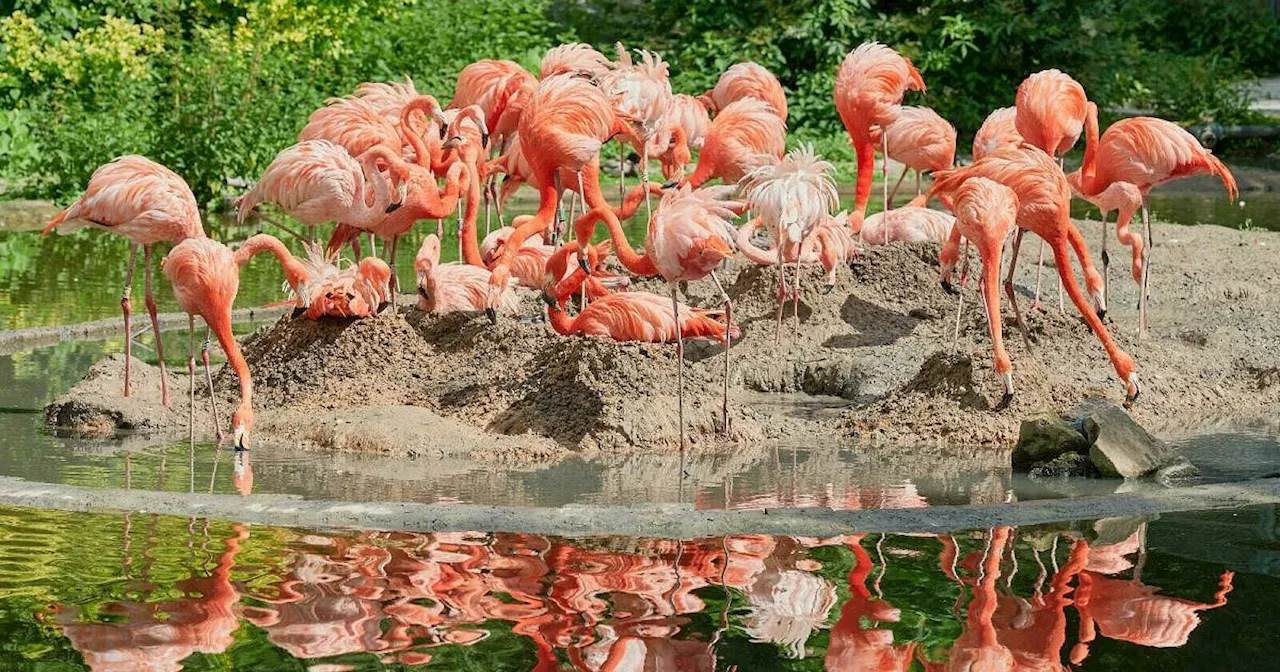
(1131, 396)
(240, 439)
(452, 142)
(484, 137)
(946, 286)
(584, 264)
(492, 315)
(402, 193)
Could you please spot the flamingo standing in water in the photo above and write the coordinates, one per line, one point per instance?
(746, 80)
(1050, 110)
(146, 203)
(746, 135)
(986, 212)
(1044, 208)
(1122, 166)
(868, 93)
(563, 126)
(793, 197)
(920, 140)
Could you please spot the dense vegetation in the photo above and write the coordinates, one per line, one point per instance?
(214, 88)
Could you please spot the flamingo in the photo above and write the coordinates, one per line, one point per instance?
(1122, 166)
(746, 135)
(636, 316)
(1049, 113)
(500, 89)
(869, 88)
(357, 291)
(530, 265)
(978, 647)
(688, 238)
(205, 278)
(643, 92)
(830, 245)
(986, 212)
(746, 80)
(684, 126)
(908, 224)
(1044, 198)
(448, 288)
(317, 181)
(919, 139)
(563, 126)
(146, 203)
(576, 60)
(793, 196)
(997, 130)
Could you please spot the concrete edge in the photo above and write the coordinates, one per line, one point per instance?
(669, 520)
(20, 340)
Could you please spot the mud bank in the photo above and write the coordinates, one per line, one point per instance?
(875, 349)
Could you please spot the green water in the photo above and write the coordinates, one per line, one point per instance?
(112, 591)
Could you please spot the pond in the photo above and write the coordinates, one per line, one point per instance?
(140, 591)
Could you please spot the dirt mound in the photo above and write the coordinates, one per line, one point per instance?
(880, 341)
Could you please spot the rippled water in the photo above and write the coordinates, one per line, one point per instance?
(139, 591)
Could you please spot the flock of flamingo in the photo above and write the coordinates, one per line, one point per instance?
(373, 163)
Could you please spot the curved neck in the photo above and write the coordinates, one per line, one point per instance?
(220, 325)
(1089, 169)
(560, 320)
(380, 182)
(422, 155)
(470, 246)
(627, 255)
(749, 250)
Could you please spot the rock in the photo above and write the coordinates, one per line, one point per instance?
(95, 407)
(1179, 473)
(1044, 437)
(1122, 448)
(1063, 466)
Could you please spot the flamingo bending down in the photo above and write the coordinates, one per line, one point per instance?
(746, 135)
(531, 264)
(908, 224)
(146, 203)
(684, 126)
(1050, 110)
(449, 288)
(637, 316)
(986, 212)
(563, 126)
(869, 87)
(920, 140)
(830, 245)
(793, 196)
(500, 89)
(997, 130)
(746, 80)
(1122, 166)
(355, 292)
(205, 278)
(1044, 208)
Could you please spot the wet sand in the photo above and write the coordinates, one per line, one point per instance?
(873, 353)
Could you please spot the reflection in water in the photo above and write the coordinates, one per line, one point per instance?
(516, 601)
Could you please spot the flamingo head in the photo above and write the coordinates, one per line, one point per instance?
(241, 424)
(1132, 390)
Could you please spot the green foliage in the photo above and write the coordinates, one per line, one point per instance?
(215, 89)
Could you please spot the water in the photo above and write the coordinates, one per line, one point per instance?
(140, 591)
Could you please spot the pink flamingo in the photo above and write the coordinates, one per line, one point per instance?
(793, 197)
(448, 288)
(986, 212)
(684, 126)
(575, 60)
(688, 238)
(744, 136)
(921, 140)
(1122, 166)
(998, 130)
(869, 87)
(146, 203)
(1044, 199)
(908, 224)
(563, 126)
(500, 89)
(529, 267)
(1050, 114)
(642, 91)
(746, 80)
(830, 245)
(636, 316)
(357, 291)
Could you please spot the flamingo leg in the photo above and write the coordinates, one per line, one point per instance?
(1146, 271)
(373, 247)
(126, 306)
(622, 172)
(392, 248)
(894, 191)
(795, 301)
(917, 182)
(675, 310)
(1013, 297)
(191, 382)
(457, 229)
(644, 180)
(1106, 264)
(497, 205)
(1035, 304)
(155, 323)
(964, 268)
(884, 172)
(782, 293)
(208, 376)
(728, 343)
(488, 203)
(955, 334)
